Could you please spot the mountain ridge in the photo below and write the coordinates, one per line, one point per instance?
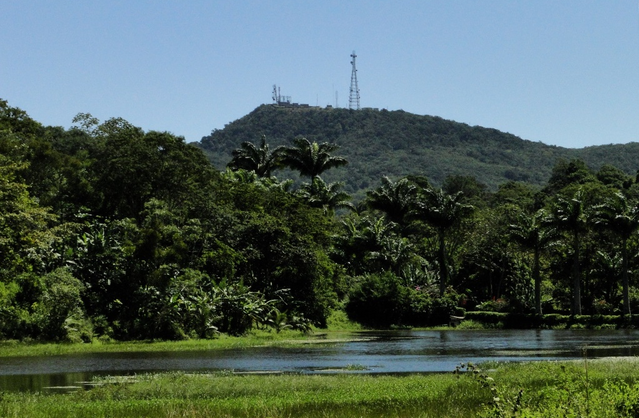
(398, 143)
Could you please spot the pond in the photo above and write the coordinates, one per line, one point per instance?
(369, 352)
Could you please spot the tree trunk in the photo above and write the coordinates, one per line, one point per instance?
(624, 277)
(576, 282)
(537, 280)
(443, 270)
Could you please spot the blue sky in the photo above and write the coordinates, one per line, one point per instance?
(564, 73)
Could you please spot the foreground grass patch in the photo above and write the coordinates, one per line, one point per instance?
(599, 389)
(220, 395)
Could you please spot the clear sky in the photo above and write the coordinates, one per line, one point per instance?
(561, 72)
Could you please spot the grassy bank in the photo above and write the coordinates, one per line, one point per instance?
(602, 388)
(254, 339)
(339, 329)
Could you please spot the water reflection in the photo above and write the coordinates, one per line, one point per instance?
(380, 352)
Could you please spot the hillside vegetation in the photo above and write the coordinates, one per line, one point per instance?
(397, 144)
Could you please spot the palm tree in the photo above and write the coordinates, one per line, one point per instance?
(310, 158)
(570, 216)
(361, 237)
(442, 211)
(260, 159)
(395, 199)
(534, 233)
(606, 271)
(326, 196)
(395, 254)
(250, 177)
(239, 176)
(621, 217)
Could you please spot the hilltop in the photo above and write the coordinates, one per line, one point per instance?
(398, 143)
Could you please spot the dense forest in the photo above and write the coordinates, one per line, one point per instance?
(109, 231)
(396, 144)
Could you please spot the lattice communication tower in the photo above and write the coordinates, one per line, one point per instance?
(353, 99)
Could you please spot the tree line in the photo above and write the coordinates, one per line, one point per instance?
(108, 231)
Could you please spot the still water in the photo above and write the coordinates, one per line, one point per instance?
(379, 352)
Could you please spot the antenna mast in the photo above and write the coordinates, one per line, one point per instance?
(353, 100)
(278, 99)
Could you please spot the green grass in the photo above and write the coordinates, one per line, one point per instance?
(598, 389)
(469, 324)
(339, 329)
(254, 339)
(338, 320)
(182, 395)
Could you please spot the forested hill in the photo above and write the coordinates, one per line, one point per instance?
(398, 143)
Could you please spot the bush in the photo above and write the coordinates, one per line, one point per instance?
(428, 309)
(492, 318)
(378, 300)
(45, 307)
(495, 305)
(381, 300)
(526, 321)
(445, 306)
(63, 302)
(421, 307)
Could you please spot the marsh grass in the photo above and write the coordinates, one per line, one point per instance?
(539, 389)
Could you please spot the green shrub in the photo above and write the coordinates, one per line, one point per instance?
(471, 324)
(421, 307)
(429, 309)
(496, 305)
(45, 307)
(63, 305)
(523, 321)
(378, 300)
(381, 300)
(487, 317)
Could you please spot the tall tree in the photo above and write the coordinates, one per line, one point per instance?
(621, 217)
(262, 160)
(134, 166)
(443, 212)
(570, 215)
(565, 173)
(310, 158)
(534, 233)
(18, 121)
(474, 191)
(25, 228)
